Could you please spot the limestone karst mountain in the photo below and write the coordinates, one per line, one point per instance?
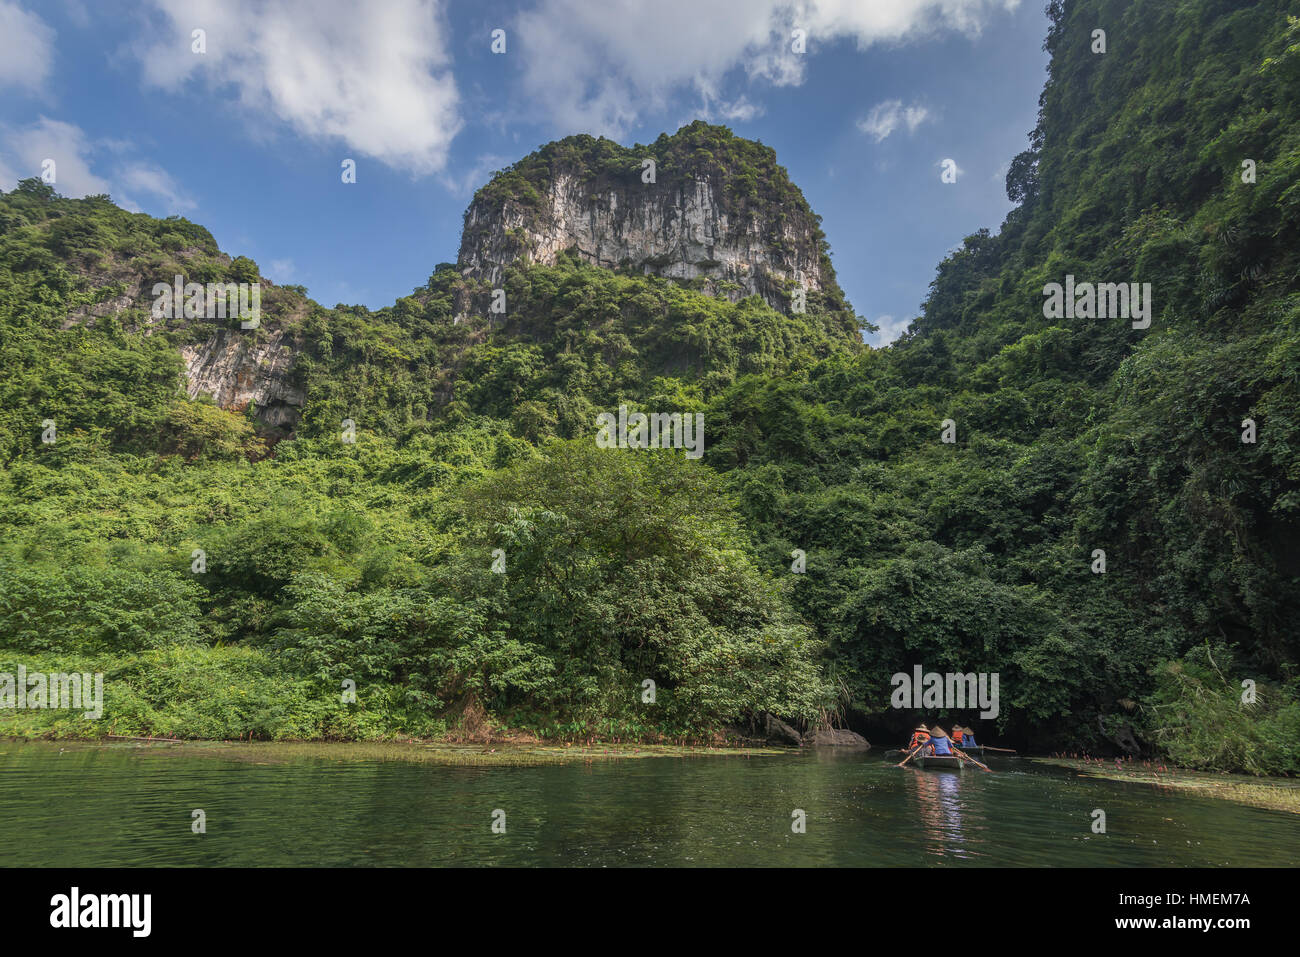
(701, 207)
(721, 218)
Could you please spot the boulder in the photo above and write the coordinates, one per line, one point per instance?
(781, 733)
(835, 738)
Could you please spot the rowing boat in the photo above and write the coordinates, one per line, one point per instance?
(939, 762)
(976, 752)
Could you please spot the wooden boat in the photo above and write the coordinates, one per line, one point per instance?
(977, 753)
(939, 762)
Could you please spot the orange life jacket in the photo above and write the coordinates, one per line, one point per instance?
(956, 738)
(918, 737)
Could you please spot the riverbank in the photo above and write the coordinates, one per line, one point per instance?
(233, 712)
(419, 752)
(1276, 794)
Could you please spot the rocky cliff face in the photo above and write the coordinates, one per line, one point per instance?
(721, 216)
(237, 369)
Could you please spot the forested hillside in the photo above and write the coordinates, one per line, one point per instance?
(1084, 434)
(228, 581)
(230, 572)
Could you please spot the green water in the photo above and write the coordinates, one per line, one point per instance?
(123, 805)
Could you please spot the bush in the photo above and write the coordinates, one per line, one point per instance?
(1198, 719)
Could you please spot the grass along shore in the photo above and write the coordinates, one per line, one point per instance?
(422, 752)
(1277, 794)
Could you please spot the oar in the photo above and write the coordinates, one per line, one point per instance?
(962, 754)
(911, 754)
(1007, 750)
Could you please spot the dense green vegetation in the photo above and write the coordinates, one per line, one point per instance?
(372, 562)
(369, 562)
(374, 566)
(574, 338)
(1076, 435)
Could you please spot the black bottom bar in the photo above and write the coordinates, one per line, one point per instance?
(260, 906)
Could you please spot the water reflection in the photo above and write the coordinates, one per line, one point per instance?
(106, 806)
(937, 799)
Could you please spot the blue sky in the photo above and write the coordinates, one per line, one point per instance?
(248, 136)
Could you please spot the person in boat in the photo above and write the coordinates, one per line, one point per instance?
(940, 743)
(957, 735)
(920, 736)
(969, 737)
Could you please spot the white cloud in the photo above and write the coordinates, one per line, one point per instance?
(65, 144)
(887, 21)
(888, 116)
(79, 166)
(153, 180)
(26, 48)
(600, 67)
(890, 329)
(739, 110)
(374, 76)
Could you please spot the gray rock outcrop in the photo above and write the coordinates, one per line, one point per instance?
(835, 738)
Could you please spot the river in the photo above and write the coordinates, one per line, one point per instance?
(83, 805)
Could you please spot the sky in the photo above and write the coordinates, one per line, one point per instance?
(245, 127)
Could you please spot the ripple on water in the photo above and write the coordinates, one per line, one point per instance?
(96, 806)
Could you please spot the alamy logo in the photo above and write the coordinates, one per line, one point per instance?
(216, 300)
(103, 910)
(656, 430)
(57, 690)
(1104, 300)
(930, 690)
